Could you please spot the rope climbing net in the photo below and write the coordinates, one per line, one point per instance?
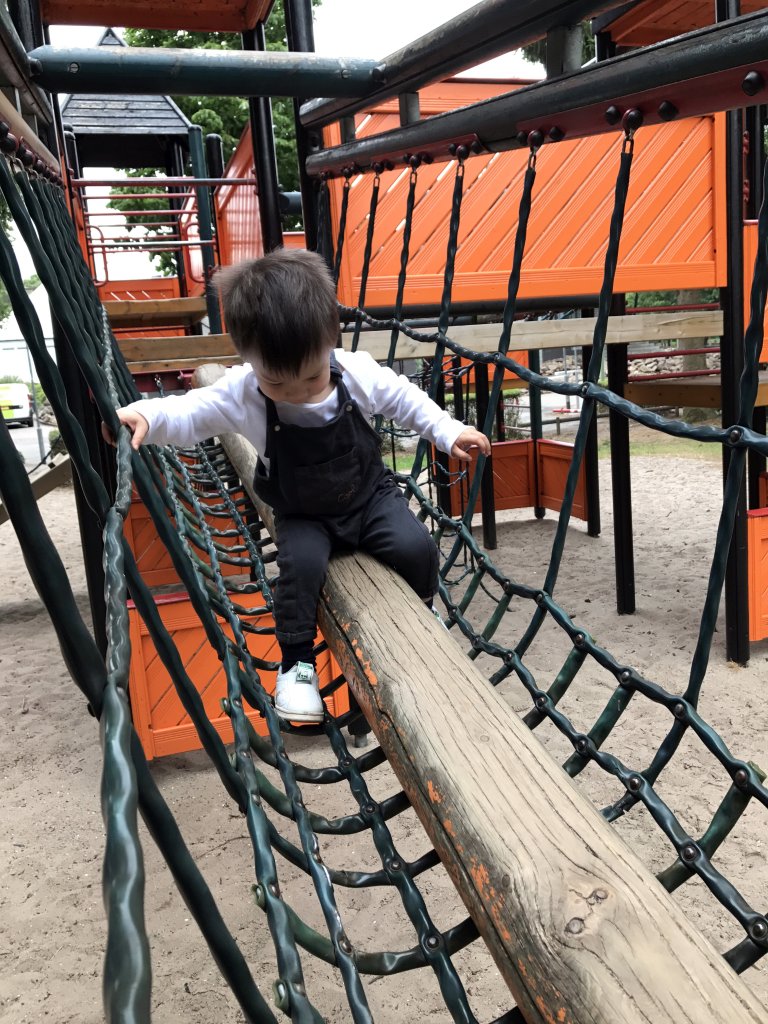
(210, 528)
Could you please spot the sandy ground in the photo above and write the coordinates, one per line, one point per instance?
(52, 929)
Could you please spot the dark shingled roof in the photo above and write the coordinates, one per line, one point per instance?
(124, 131)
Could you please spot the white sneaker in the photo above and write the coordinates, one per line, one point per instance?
(297, 696)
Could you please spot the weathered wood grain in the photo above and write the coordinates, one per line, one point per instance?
(580, 929)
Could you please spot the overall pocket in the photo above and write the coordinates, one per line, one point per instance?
(329, 488)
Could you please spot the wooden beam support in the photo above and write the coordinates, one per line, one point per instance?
(580, 929)
(46, 480)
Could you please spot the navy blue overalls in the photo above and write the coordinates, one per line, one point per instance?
(331, 492)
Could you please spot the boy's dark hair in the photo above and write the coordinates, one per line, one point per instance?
(281, 307)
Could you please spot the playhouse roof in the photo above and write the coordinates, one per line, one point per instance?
(650, 21)
(199, 16)
(124, 130)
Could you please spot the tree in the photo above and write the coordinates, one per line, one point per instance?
(221, 115)
(536, 52)
(5, 303)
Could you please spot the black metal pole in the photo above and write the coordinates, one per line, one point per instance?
(205, 226)
(537, 428)
(591, 475)
(264, 155)
(487, 494)
(732, 365)
(621, 480)
(301, 38)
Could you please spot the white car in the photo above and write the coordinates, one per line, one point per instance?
(16, 404)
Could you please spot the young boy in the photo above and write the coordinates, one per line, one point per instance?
(306, 408)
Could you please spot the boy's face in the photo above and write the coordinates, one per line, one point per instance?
(311, 384)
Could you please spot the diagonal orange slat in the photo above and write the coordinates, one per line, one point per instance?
(670, 234)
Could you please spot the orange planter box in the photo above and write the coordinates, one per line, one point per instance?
(158, 715)
(515, 478)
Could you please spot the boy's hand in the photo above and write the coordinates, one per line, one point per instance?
(470, 438)
(135, 422)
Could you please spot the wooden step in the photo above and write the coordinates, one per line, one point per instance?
(144, 313)
(158, 355)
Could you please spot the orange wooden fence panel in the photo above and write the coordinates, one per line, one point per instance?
(515, 480)
(554, 462)
(674, 234)
(158, 715)
(757, 556)
(750, 252)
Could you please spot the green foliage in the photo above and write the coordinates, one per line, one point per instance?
(537, 52)
(226, 116)
(647, 300)
(5, 305)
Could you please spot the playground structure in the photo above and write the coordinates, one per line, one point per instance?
(500, 848)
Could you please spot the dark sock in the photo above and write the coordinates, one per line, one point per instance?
(296, 652)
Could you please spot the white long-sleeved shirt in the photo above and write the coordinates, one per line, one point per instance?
(235, 404)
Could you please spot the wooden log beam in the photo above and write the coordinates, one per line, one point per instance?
(579, 928)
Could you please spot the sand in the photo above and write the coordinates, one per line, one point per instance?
(52, 927)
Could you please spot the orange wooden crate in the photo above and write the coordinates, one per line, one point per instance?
(514, 478)
(158, 715)
(554, 459)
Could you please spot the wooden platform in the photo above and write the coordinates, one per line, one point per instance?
(156, 355)
(687, 392)
(159, 355)
(148, 313)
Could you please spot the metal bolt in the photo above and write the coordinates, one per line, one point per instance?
(667, 111)
(632, 119)
(541, 703)
(741, 778)
(274, 888)
(679, 710)
(258, 895)
(758, 929)
(625, 675)
(277, 426)
(584, 389)
(73, 68)
(369, 808)
(556, 134)
(582, 744)
(578, 639)
(540, 598)
(345, 945)
(689, 853)
(753, 83)
(634, 782)
(613, 115)
(535, 138)
(237, 702)
(317, 857)
(522, 138)
(280, 994)
(734, 436)
(395, 864)
(432, 942)
(345, 73)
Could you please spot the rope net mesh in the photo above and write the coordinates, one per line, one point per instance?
(187, 491)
